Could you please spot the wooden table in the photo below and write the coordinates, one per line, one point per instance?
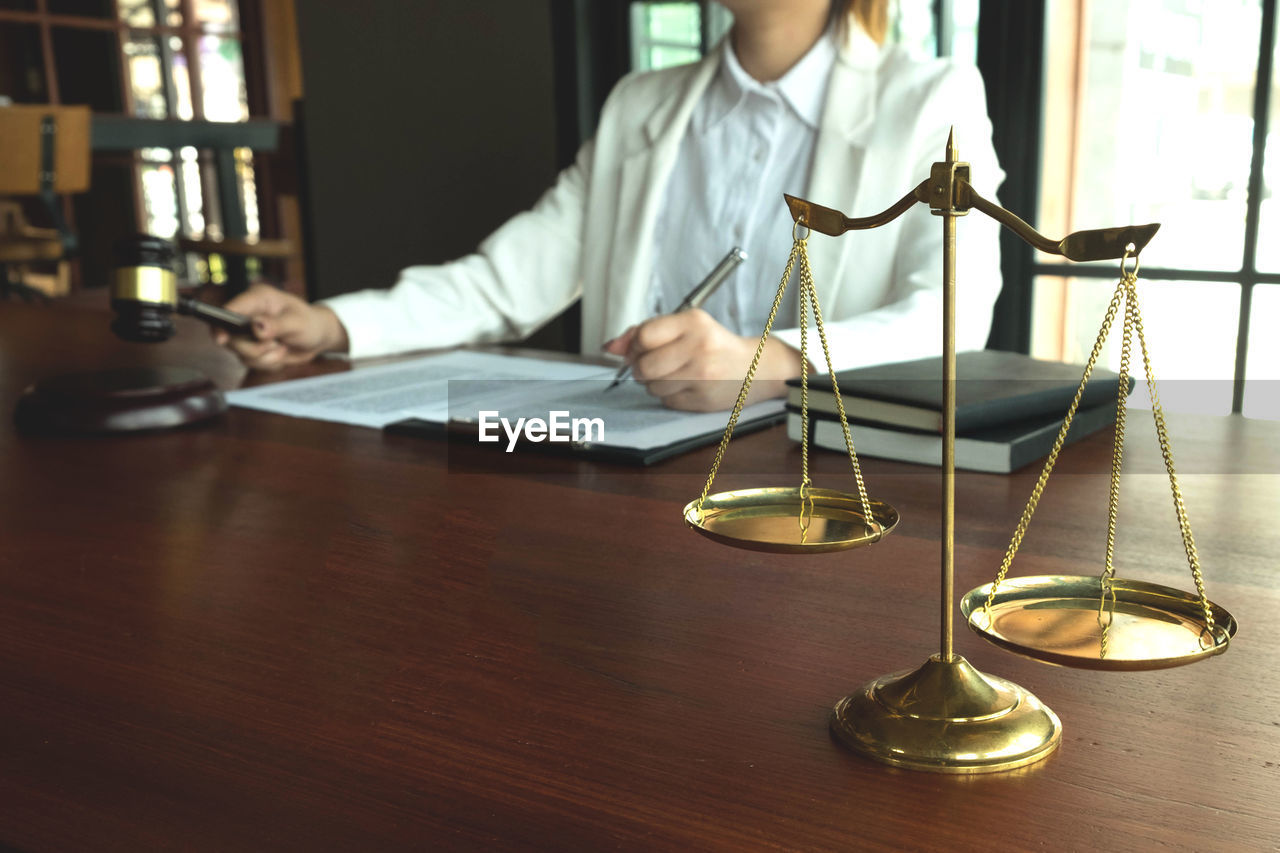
(270, 633)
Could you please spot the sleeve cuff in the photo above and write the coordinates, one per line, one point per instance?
(363, 319)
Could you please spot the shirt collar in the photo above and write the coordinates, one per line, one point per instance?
(803, 88)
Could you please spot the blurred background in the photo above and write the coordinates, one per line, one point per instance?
(325, 146)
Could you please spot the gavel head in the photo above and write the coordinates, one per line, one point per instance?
(144, 293)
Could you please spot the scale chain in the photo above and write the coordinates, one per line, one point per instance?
(1107, 599)
(1117, 450)
(806, 496)
(797, 249)
(1166, 451)
(806, 276)
(1025, 521)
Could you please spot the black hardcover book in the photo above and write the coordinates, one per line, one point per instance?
(992, 388)
(999, 449)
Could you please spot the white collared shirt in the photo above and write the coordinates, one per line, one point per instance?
(746, 144)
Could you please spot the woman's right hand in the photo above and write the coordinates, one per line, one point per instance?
(289, 329)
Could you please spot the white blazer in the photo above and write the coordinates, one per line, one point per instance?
(885, 121)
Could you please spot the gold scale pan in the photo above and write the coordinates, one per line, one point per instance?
(946, 716)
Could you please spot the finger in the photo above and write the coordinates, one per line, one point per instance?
(220, 337)
(294, 356)
(276, 327)
(664, 388)
(272, 358)
(258, 299)
(690, 399)
(250, 351)
(716, 394)
(293, 325)
(654, 333)
(265, 328)
(620, 344)
(667, 361)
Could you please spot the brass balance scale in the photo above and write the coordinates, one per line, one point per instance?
(946, 716)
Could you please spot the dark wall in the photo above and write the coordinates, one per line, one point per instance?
(1010, 57)
(426, 125)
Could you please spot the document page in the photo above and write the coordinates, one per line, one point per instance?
(376, 396)
(511, 399)
(624, 416)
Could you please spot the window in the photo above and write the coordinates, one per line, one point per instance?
(666, 34)
(1159, 111)
(936, 28)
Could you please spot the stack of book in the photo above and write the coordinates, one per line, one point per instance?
(1009, 408)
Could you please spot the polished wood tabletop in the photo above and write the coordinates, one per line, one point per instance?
(267, 633)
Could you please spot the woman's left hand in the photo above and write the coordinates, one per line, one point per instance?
(691, 362)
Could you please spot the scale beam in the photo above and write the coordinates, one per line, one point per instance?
(1099, 244)
(833, 223)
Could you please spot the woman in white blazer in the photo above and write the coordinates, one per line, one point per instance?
(884, 119)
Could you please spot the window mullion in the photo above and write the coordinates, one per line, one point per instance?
(1253, 211)
(944, 26)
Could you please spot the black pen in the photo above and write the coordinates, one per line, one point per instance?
(697, 296)
(218, 317)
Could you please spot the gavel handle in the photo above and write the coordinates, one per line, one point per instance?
(236, 324)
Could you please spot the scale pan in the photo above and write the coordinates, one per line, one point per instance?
(1054, 618)
(769, 520)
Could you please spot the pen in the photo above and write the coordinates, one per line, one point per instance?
(218, 317)
(697, 296)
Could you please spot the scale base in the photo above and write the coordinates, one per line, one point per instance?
(946, 717)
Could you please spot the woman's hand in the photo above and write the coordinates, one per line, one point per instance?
(692, 362)
(289, 329)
